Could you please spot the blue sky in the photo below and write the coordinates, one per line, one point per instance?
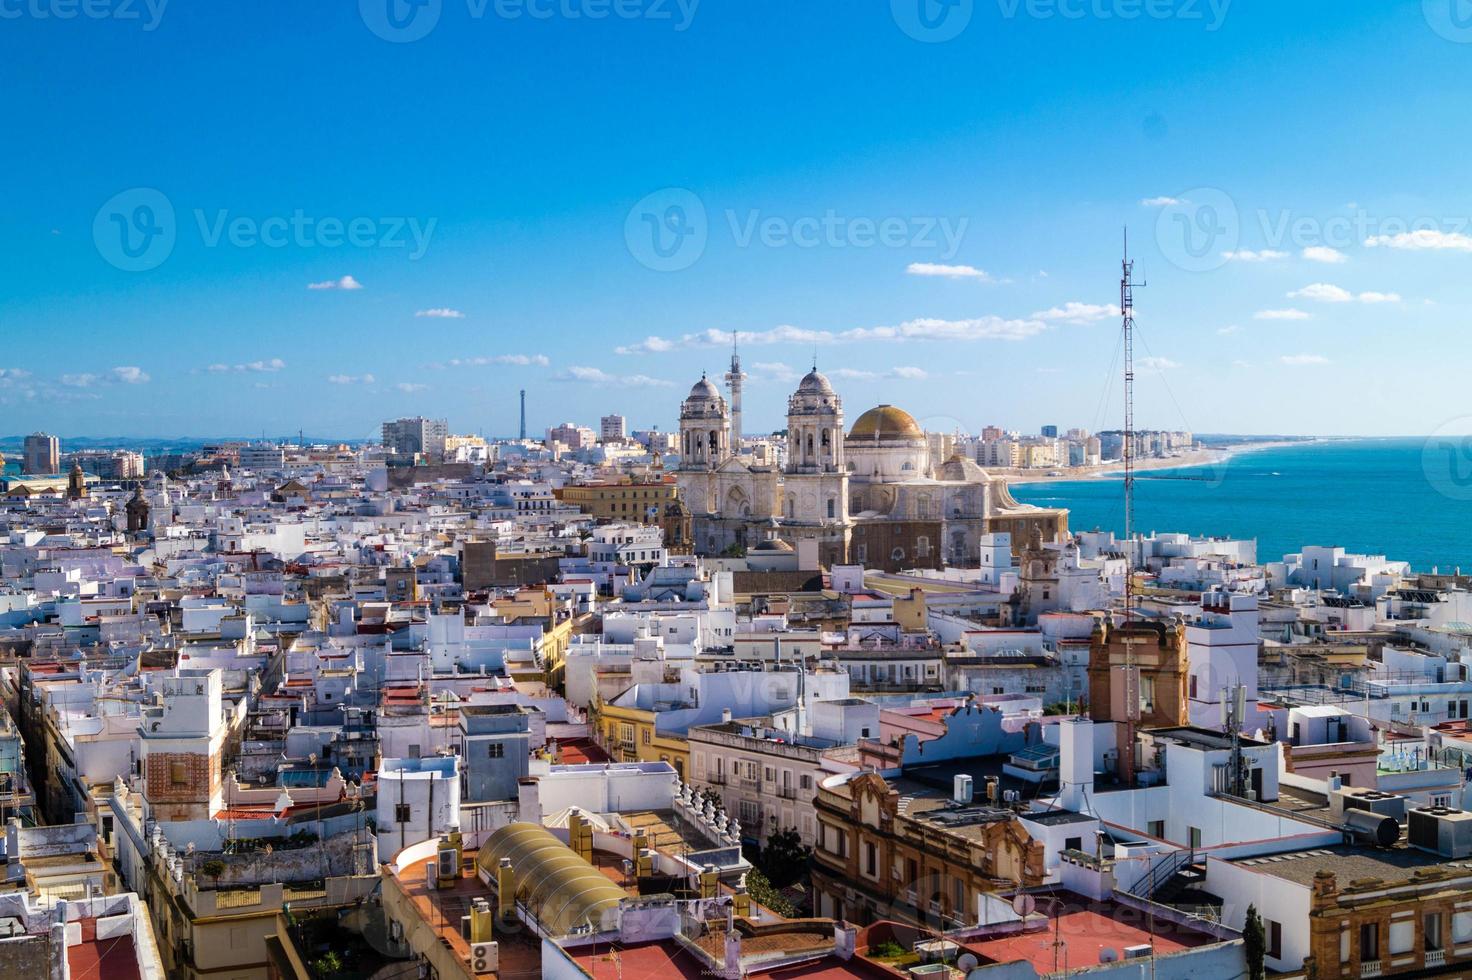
(939, 218)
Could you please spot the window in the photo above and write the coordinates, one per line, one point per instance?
(178, 774)
(402, 812)
(1432, 932)
(1370, 941)
(864, 732)
(1156, 828)
(871, 859)
(1275, 939)
(1073, 844)
(647, 737)
(496, 750)
(1193, 836)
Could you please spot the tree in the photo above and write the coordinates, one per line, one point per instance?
(1254, 943)
(785, 858)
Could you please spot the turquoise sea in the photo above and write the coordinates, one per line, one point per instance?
(1409, 499)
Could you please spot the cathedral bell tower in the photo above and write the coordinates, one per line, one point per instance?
(704, 428)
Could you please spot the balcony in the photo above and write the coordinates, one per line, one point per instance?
(1370, 968)
(787, 792)
(1435, 957)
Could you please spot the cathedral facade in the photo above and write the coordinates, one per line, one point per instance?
(872, 495)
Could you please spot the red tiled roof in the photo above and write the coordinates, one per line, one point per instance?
(107, 959)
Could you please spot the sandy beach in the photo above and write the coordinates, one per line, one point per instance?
(1112, 468)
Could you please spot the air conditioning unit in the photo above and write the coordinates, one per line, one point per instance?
(485, 958)
(449, 864)
(1442, 831)
(1136, 952)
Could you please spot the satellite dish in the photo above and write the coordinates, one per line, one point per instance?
(1024, 905)
(1108, 954)
(967, 962)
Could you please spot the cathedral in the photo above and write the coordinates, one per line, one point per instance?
(875, 495)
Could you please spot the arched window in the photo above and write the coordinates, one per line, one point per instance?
(832, 507)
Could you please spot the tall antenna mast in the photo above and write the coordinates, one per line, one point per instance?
(1127, 286)
(1131, 671)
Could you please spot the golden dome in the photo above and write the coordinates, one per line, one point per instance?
(886, 422)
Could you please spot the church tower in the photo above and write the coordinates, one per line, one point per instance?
(704, 428)
(76, 483)
(815, 482)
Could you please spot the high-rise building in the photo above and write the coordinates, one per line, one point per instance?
(612, 428)
(413, 436)
(572, 435)
(42, 454)
(1050, 432)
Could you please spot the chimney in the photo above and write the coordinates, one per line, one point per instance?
(506, 891)
(845, 940)
(1075, 763)
(733, 953)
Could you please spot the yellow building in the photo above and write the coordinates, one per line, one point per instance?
(626, 501)
(629, 735)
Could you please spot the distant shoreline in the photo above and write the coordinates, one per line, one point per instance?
(1115, 468)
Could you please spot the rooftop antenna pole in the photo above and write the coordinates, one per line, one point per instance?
(1132, 683)
(523, 415)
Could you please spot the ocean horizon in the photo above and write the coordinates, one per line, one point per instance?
(1405, 498)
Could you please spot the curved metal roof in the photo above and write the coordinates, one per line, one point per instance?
(562, 890)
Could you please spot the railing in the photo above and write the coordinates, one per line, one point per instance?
(1370, 968)
(1163, 872)
(1435, 957)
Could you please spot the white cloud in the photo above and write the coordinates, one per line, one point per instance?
(127, 375)
(1228, 330)
(773, 371)
(896, 373)
(346, 282)
(516, 360)
(1158, 364)
(1326, 293)
(948, 271)
(649, 345)
(442, 313)
(408, 387)
(1325, 254)
(978, 328)
(1424, 240)
(1281, 315)
(350, 379)
(597, 376)
(1078, 313)
(1163, 202)
(1301, 360)
(1248, 255)
(255, 367)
